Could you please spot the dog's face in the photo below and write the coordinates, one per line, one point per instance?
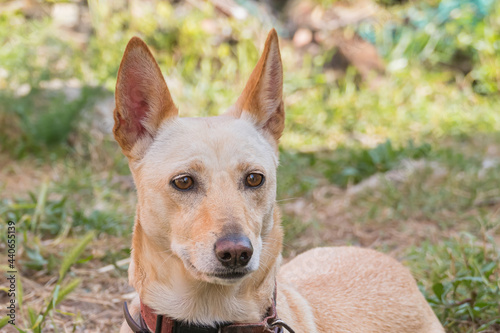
(206, 186)
(203, 180)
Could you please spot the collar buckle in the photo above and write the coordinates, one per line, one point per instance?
(281, 324)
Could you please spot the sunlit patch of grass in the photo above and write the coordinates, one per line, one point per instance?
(410, 104)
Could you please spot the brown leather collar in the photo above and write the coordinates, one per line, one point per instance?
(162, 324)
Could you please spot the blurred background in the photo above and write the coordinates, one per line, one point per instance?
(391, 142)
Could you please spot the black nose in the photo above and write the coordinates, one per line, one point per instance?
(233, 251)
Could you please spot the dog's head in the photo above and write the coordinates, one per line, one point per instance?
(206, 186)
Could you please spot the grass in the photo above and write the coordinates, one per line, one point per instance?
(43, 121)
(409, 165)
(460, 279)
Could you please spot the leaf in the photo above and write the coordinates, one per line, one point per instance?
(438, 289)
(66, 313)
(350, 172)
(470, 278)
(489, 268)
(40, 205)
(4, 321)
(66, 290)
(375, 155)
(73, 256)
(19, 330)
(32, 316)
(37, 261)
(58, 295)
(55, 295)
(488, 324)
(38, 321)
(84, 260)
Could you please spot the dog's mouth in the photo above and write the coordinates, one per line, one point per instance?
(226, 276)
(230, 275)
(210, 272)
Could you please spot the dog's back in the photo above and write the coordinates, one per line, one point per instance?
(349, 289)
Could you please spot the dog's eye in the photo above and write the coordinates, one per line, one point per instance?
(183, 183)
(254, 179)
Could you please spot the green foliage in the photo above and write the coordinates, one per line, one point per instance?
(105, 221)
(71, 257)
(34, 258)
(460, 35)
(52, 217)
(42, 122)
(350, 166)
(45, 217)
(35, 320)
(343, 166)
(292, 164)
(59, 292)
(4, 321)
(33, 51)
(413, 104)
(201, 63)
(461, 280)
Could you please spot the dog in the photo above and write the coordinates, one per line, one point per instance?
(207, 238)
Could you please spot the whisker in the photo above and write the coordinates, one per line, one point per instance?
(287, 199)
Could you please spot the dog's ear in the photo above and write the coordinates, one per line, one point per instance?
(262, 98)
(142, 98)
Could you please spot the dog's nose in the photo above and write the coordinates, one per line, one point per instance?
(233, 251)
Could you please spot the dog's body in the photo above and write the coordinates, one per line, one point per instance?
(207, 236)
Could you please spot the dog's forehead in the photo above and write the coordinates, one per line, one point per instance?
(214, 141)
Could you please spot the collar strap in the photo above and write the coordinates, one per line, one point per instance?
(163, 324)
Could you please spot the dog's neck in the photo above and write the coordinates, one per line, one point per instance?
(169, 289)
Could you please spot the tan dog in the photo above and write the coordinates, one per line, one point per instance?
(207, 237)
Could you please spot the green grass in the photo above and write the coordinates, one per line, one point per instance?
(43, 122)
(34, 320)
(461, 280)
(449, 190)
